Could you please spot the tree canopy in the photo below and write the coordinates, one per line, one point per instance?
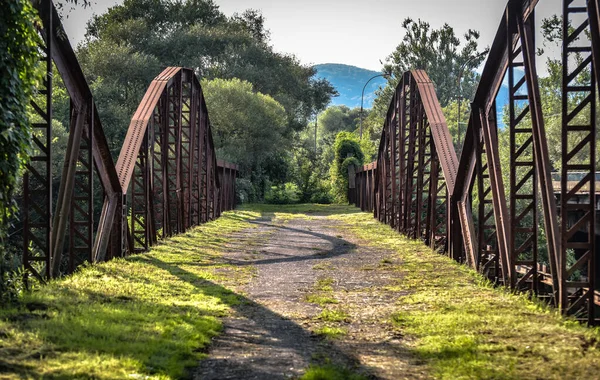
(439, 52)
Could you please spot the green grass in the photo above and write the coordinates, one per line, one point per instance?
(328, 315)
(146, 316)
(330, 372)
(331, 332)
(300, 210)
(321, 299)
(324, 284)
(323, 266)
(462, 327)
(153, 315)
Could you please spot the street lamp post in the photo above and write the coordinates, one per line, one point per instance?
(385, 75)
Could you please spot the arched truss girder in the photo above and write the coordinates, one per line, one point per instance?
(416, 166)
(47, 229)
(505, 242)
(167, 167)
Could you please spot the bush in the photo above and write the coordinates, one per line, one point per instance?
(244, 191)
(283, 194)
(347, 152)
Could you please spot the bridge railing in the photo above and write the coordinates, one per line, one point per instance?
(364, 187)
(464, 208)
(166, 180)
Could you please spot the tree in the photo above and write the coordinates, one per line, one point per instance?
(440, 53)
(194, 33)
(249, 128)
(19, 76)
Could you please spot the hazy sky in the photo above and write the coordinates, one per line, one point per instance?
(354, 32)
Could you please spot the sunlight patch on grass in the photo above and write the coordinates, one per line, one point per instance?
(331, 372)
(328, 315)
(147, 316)
(321, 299)
(466, 328)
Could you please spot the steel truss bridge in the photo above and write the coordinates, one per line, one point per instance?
(461, 206)
(166, 180)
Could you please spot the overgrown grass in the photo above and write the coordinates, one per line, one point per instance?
(146, 316)
(465, 328)
(330, 372)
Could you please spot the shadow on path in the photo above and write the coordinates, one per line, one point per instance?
(264, 339)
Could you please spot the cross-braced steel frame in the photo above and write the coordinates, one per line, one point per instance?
(494, 222)
(408, 186)
(167, 169)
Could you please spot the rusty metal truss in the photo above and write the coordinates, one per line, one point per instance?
(471, 211)
(167, 169)
(408, 186)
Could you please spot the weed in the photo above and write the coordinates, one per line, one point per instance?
(333, 316)
(323, 266)
(331, 332)
(324, 284)
(330, 372)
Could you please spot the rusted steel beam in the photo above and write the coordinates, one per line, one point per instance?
(37, 179)
(408, 188)
(176, 184)
(67, 184)
(578, 154)
(543, 166)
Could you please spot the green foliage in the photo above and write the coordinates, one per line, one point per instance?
(249, 128)
(244, 190)
(19, 75)
(439, 52)
(347, 152)
(287, 193)
(330, 372)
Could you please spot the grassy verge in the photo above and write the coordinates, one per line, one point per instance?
(147, 316)
(465, 328)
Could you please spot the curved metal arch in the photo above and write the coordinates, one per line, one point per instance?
(167, 167)
(417, 164)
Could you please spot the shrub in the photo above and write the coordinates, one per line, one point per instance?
(283, 194)
(347, 152)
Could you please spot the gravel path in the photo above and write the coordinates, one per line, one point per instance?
(276, 333)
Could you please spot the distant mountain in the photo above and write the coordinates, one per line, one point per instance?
(349, 81)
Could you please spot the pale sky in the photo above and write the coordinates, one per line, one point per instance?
(353, 32)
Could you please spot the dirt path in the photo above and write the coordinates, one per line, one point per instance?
(318, 297)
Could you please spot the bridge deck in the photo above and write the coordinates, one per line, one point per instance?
(292, 290)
